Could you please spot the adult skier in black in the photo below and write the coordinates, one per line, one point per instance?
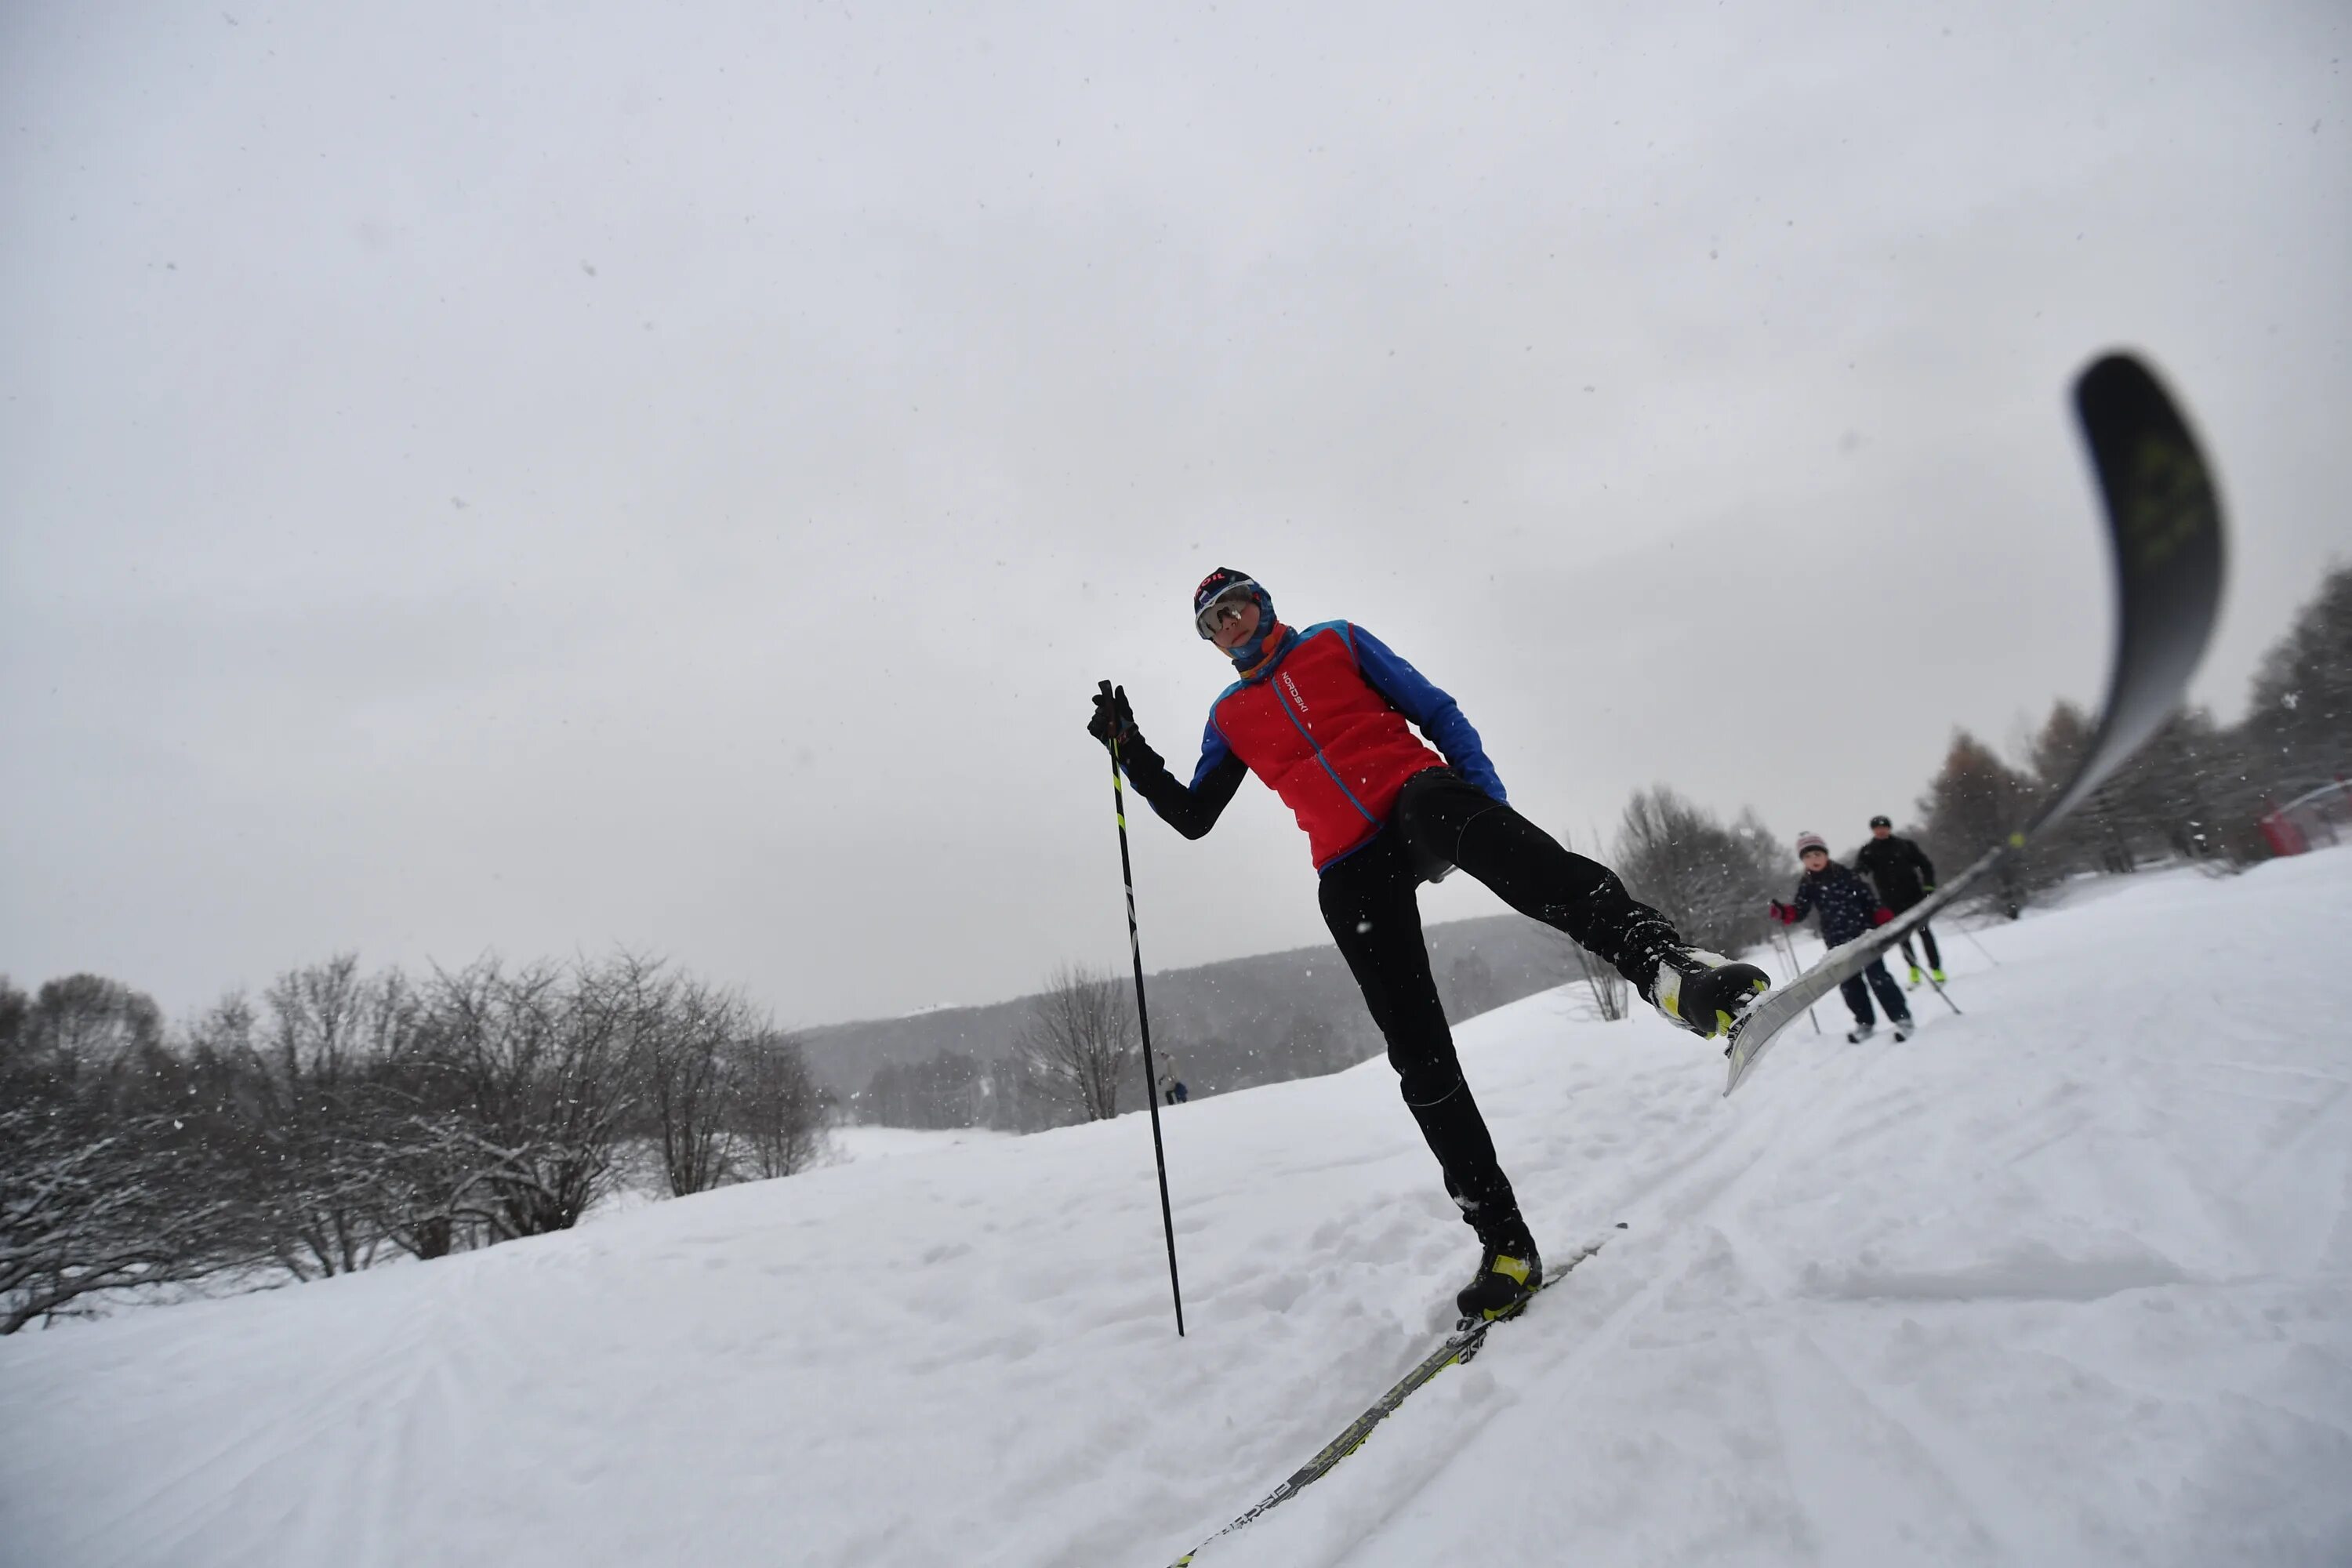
(1326, 717)
(1848, 906)
(1902, 875)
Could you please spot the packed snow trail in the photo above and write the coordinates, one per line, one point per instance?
(2068, 1279)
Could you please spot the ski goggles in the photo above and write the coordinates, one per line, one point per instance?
(1225, 607)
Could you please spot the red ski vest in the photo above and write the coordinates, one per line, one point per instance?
(1325, 741)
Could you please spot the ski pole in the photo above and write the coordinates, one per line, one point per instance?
(1946, 995)
(1788, 944)
(1143, 1022)
(1978, 945)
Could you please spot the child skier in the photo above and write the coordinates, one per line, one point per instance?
(1902, 875)
(1849, 907)
(1322, 716)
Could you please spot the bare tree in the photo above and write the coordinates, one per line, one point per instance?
(778, 1115)
(92, 1022)
(1081, 1038)
(2299, 730)
(1610, 988)
(2096, 834)
(539, 1064)
(1974, 802)
(93, 1201)
(1715, 881)
(688, 1038)
(103, 1183)
(313, 1118)
(15, 1013)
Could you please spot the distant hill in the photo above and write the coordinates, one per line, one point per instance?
(1226, 1025)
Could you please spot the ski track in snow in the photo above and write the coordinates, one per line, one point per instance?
(2065, 1280)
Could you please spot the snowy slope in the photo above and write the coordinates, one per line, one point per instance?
(2066, 1281)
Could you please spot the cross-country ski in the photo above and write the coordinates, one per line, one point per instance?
(1458, 1349)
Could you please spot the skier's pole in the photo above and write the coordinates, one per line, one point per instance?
(1978, 945)
(1143, 1021)
(1946, 995)
(1788, 945)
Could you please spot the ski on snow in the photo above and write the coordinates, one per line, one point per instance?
(1460, 1345)
(2164, 524)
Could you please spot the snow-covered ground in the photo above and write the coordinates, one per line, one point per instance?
(2065, 1281)
(856, 1143)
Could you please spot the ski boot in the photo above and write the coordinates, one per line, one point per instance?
(1938, 975)
(1860, 1033)
(1917, 977)
(1509, 1273)
(1704, 992)
(1903, 1027)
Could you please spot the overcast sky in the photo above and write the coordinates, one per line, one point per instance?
(536, 478)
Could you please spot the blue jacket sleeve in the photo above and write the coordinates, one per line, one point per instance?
(1432, 712)
(1215, 753)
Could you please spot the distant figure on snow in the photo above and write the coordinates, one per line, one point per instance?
(1848, 907)
(1326, 716)
(1904, 875)
(1171, 1088)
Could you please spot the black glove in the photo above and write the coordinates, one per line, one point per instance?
(1114, 720)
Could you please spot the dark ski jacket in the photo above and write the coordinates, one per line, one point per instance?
(1900, 868)
(1848, 905)
(1323, 719)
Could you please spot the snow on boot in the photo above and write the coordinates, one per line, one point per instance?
(1860, 1033)
(1509, 1273)
(1704, 992)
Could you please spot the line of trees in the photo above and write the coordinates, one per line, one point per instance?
(344, 1117)
(2195, 792)
(1068, 1062)
(956, 1089)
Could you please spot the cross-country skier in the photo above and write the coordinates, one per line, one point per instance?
(1902, 875)
(1848, 907)
(1326, 717)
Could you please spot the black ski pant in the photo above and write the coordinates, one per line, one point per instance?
(1890, 996)
(1369, 901)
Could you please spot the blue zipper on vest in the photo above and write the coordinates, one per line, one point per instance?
(1316, 747)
